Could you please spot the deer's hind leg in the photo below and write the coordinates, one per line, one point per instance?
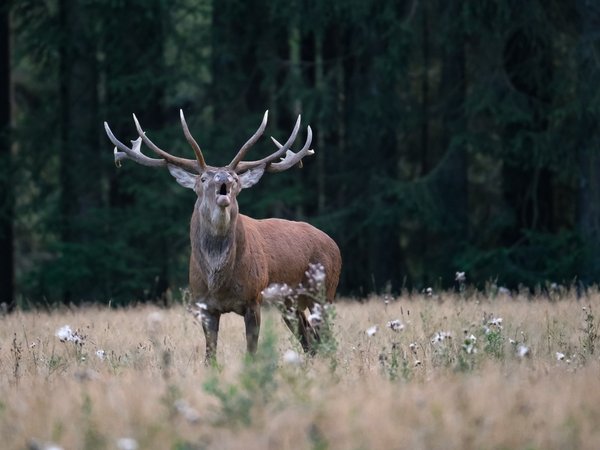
(302, 329)
(252, 322)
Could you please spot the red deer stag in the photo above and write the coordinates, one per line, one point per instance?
(235, 257)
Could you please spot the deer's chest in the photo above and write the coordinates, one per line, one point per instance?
(223, 295)
(225, 303)
(227, 278)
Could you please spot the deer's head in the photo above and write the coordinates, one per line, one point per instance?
(217, 188)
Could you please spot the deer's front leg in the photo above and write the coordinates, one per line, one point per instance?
(210, 325)
(252, 321)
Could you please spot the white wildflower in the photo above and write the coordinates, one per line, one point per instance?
(187, 412)
(413, 347)
(523, 351)
(315, 318)
(440, 336)
(495, 322)
(198, 313)
(512, 341)
(469, 344)
(560, 356)
(417, 363)
(316, 273)
(395, 325)
(504, 291)
(371, 331)
(66, 334)
(101, 354)
(429, 291)
(127, 443)
(292, 358)
(277, 291)
(461, 277)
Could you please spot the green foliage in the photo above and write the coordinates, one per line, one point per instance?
(254, 387)
(494, 343)
(397, 364)
(327, 345)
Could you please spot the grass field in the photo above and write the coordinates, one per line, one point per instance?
(463, 371)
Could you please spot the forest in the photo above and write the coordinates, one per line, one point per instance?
(449, 136)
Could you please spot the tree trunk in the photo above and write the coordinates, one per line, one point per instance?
(79, 158)
(527, 184)
(453, 176)
(7, 298)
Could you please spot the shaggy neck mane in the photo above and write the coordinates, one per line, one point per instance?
(216, 252)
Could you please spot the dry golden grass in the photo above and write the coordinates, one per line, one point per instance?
(373, 392)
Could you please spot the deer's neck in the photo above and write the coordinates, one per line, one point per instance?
(214, 246)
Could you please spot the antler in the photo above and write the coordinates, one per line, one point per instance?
(287, 157)
(291, 159)
(250, 142)
(268, 161)
(190, 165)
(192, 141)
(134, 153)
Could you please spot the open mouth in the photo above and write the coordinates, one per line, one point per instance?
(223, 198)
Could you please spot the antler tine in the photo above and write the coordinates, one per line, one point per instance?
(192, 142)
(187, 164)
(246, 165)
(250, 142)
(291, 158)
(134, 153)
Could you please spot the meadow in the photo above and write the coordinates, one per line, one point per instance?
(468, 370)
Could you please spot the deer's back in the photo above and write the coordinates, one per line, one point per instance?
(288, 248)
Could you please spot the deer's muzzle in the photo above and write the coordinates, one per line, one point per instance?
(223, 182)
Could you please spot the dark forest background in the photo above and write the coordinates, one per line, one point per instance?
(449, 135)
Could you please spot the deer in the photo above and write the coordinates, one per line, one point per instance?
(234, 257)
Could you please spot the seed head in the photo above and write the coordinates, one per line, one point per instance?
(395, 325)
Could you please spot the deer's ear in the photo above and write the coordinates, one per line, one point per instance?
(251, 177)
(183, 177)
